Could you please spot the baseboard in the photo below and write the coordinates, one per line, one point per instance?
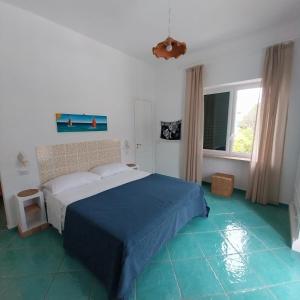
(235, 187)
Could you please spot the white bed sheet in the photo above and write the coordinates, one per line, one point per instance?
(57, 204)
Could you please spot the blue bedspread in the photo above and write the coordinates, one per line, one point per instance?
(116, 232)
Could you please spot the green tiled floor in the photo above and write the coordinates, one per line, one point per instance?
(239, 252)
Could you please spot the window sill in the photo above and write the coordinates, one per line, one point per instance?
(245, 159)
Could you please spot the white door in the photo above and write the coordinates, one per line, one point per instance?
(143, 121)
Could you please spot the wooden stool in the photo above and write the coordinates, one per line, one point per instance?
(222, 184)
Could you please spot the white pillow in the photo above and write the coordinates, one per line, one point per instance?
(66, 182)
(109, 169)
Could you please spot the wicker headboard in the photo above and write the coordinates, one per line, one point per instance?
(57, 160)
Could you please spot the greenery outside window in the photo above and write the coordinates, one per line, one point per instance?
(229, 119)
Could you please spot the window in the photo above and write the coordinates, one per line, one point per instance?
(229, 119)
(216, 120)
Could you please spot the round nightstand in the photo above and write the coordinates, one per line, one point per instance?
(27, 193)
(32, 214)
(133, 166)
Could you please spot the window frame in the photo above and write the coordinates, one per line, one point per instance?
(232, 89)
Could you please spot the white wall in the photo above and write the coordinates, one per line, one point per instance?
(292, 139)
(238, 61)
(46, 68)
(170, 96)
(170, 107)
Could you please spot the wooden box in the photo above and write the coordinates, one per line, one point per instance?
(222, 184)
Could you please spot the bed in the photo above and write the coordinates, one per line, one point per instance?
(57, 204)
(116, 225)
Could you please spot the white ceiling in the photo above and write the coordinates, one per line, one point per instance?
(134, 26)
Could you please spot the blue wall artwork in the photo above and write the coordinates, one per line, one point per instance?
(76, 122)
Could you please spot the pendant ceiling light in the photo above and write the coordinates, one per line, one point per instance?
(169, 47)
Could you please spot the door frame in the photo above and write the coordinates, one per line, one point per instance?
(4, 203)
(152, 130)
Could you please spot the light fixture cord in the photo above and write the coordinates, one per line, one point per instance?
(169, 24)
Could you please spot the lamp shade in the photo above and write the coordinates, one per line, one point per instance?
(169, 48)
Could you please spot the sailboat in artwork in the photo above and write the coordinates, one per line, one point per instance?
(94, 123)
(79, 123)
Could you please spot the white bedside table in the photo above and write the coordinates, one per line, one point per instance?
(32, 214)
(133, 166)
